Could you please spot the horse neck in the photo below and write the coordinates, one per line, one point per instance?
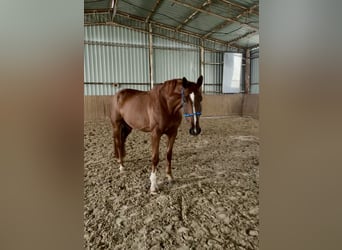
(171, 93)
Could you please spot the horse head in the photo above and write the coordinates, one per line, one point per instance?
(191, 99)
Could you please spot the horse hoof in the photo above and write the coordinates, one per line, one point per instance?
(170, 179)
(154, 189)
(122, 169)
(153, 192)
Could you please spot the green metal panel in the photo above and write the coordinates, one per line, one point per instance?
(114, 55)
(170, 64)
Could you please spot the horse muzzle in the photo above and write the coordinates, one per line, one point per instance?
(195, 131)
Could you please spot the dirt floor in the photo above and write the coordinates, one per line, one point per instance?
(213, 203)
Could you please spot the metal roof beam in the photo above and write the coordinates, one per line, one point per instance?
(235, 4)
(253, 47)
(216, 28)
(214, 14)
(223, 24)
(193, 14)
(154, 9)
(95, 11)
(240, 37)
(248, 11)
(154, 34)
(242, 7)
(168, 27)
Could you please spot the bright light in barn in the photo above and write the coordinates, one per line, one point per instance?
(232, 72)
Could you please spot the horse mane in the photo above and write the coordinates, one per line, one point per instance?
(166, 92)
(168, 86)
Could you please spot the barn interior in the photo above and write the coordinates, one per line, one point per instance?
(213, 202)
(137, 44)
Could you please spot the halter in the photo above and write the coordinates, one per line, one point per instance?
(187, 114)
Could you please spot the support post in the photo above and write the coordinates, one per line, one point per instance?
(202, 65)
(114, 6)
(248, 72)
(150, 51)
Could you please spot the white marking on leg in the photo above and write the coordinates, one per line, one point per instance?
(169, 177)
(121, 168)
(192, 97)
(153, 179)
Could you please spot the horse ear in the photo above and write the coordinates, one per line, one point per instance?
(200, 81)
(185, 82)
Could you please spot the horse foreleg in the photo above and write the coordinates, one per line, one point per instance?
(170, 143)
(155, 160)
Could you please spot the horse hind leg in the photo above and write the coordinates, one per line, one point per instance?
(115, 140)
(117, 143)
(120, 132)
(125, 131)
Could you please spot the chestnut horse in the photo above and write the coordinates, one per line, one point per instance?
(157, 111)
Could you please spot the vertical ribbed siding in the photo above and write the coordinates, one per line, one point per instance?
(255, 75)
(101, 89)
(242, 77)
(255, 70)
(169, 33)
(165, 43)
(213, 71)
(123, 59)
(175, 60)
(170, 64)
(114, 63)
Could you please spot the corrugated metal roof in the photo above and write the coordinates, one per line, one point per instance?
(218, 22)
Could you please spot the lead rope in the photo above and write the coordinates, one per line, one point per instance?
(187, 114)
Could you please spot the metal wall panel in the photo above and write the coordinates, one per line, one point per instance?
(214, 61)
(159, 42)
(114, 34)
(255, 70)
(115, 54)
(213, 72)
(170, 33)
(170, 64)
(255, 76)
(175, 60)
(99, 89)
(255, 89)
(242, 83)
(110, 89)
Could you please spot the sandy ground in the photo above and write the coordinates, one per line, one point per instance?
(213, 203)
